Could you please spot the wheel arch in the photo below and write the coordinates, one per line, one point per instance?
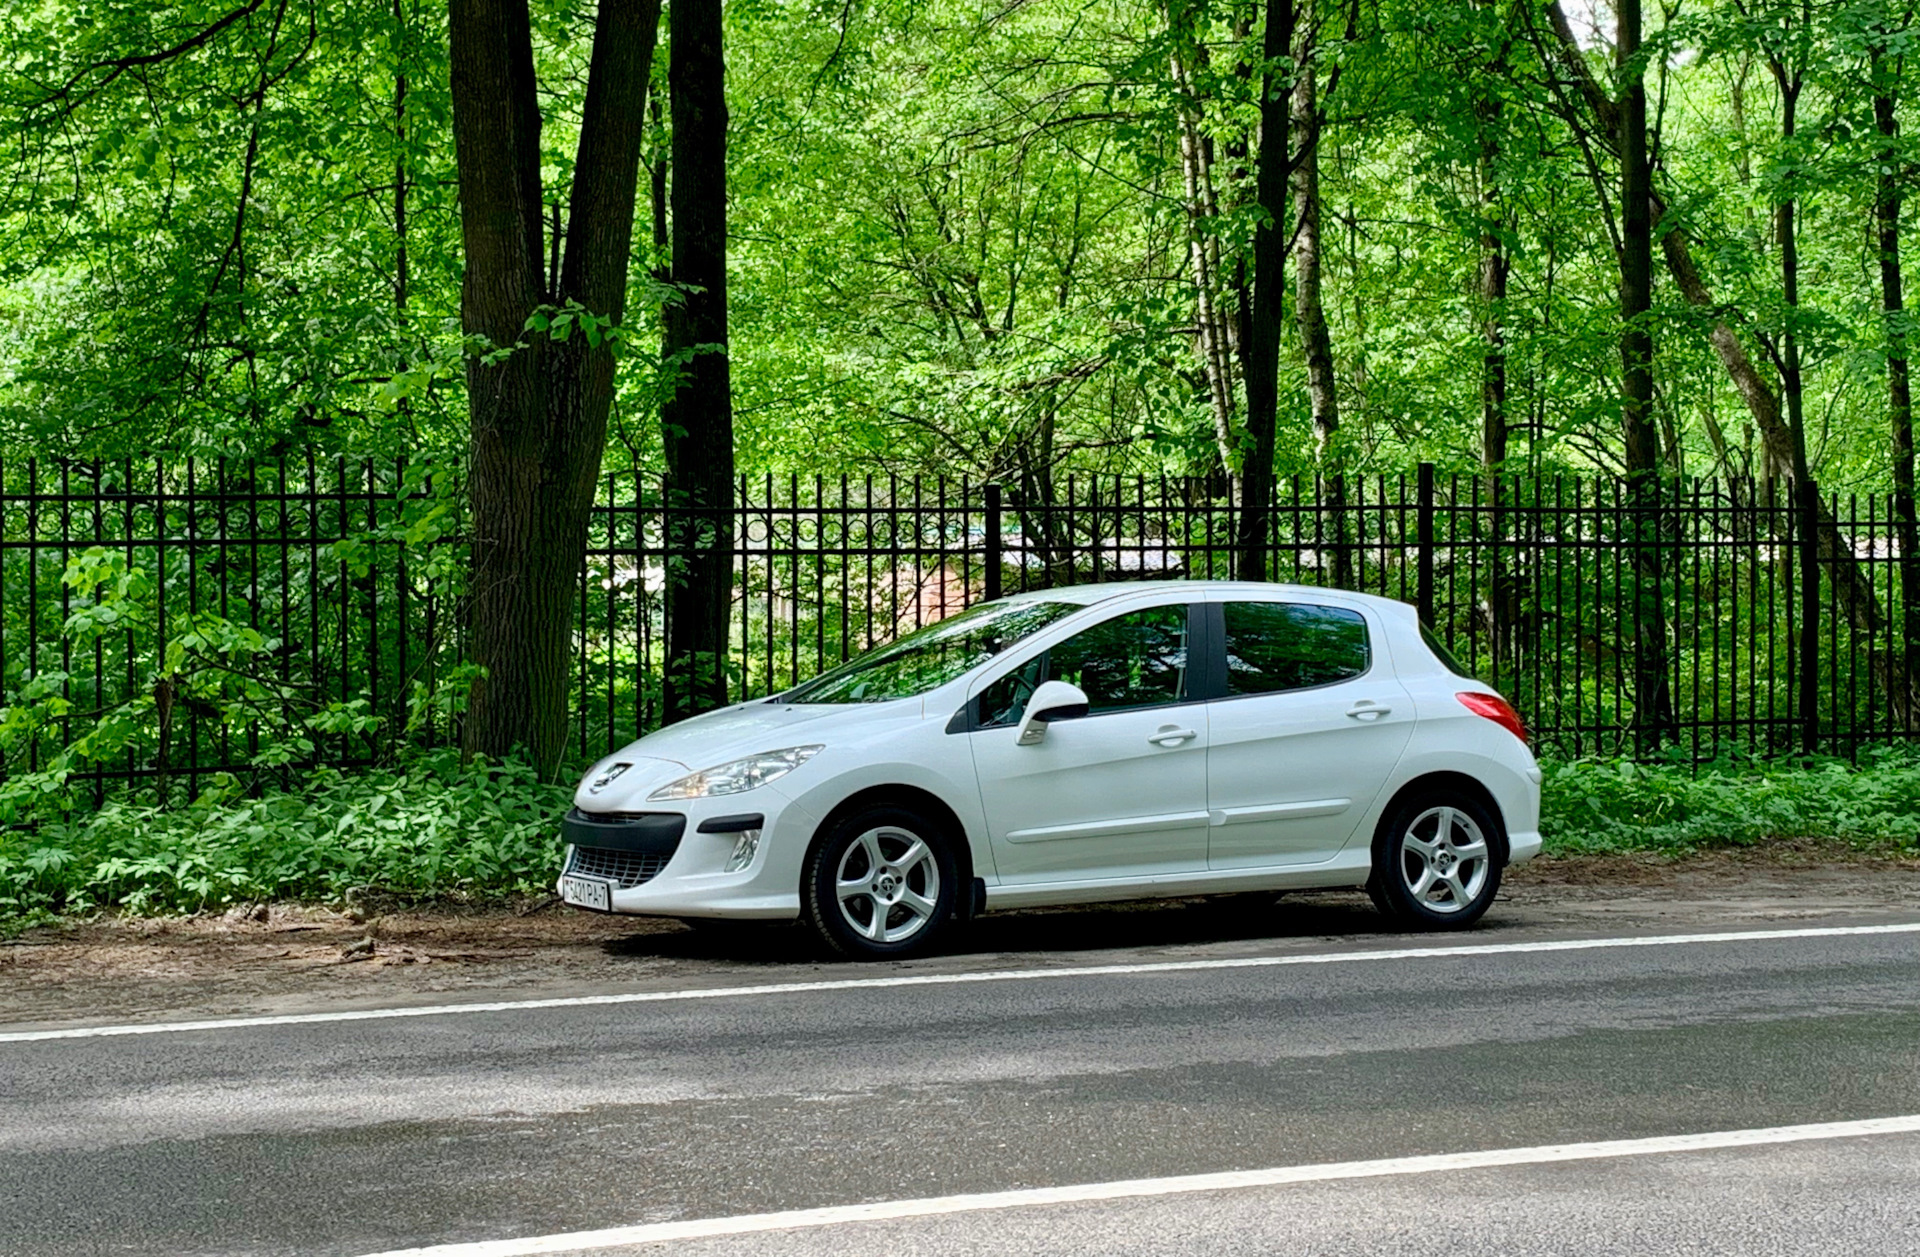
(1441, 782)
(919, 799)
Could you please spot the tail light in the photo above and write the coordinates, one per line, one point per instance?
(1496, 709)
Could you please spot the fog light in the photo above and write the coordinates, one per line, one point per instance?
(743, 848)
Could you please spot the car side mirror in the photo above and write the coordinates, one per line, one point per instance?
(1054, 700)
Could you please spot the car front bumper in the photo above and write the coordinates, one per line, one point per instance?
(672, 860)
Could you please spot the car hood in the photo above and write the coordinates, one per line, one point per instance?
(720, 736)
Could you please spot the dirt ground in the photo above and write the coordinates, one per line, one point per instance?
(281, 958)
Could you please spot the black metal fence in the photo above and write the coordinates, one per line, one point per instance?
(162, 622)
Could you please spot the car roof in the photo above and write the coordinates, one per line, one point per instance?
(1105, 591)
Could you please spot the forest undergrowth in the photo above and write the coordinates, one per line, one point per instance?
(432, 829)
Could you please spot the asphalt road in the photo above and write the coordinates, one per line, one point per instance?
(364, 1136)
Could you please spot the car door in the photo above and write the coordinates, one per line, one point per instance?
(1309, 724)
(1119, 792)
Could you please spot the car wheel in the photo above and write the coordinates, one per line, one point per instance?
(1436, 863)
(881, 884)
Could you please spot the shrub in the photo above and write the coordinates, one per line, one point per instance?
(1733, 801)
(434, 828)
(428, 827)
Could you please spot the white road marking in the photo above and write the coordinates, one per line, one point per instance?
(1133, 1189)
(960, 979)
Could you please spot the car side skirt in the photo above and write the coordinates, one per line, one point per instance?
(1346, 870)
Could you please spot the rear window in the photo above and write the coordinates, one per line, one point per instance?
(1441, 653)
(1276, 646)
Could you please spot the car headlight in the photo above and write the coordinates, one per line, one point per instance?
(737, 777)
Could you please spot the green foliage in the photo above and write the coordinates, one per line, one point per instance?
(959, 235)
(428, 827)
(1597, 805)
(215, 271)
(249, 650)
(962, 241)
(431, 827)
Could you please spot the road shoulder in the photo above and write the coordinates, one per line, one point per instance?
(279, 959)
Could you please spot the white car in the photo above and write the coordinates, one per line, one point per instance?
(1103, 742)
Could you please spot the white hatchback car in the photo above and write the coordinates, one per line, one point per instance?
(1103, 742)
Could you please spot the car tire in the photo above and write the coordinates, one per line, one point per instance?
(881, 884)
(1437, 861)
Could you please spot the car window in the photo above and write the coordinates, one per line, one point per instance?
(1275, 646)
(931, 657)
(1134, 660)
(1005, 700)
(1446, 657)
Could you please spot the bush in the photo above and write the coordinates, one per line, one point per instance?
(429, 827)
(434, 828)
(1734, 801)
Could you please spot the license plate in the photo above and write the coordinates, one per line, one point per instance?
(587, 892)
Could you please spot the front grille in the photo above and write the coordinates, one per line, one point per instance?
(625, 869)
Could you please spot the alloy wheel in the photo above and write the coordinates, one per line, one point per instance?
(1444, 860)
(887, 885)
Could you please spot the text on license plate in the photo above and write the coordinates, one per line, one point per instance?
(587, 892)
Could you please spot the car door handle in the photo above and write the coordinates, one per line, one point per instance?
(1168, 735)
(1367, 709)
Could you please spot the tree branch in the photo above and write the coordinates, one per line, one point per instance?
(116, 66)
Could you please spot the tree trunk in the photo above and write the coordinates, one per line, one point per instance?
(1852, 592)
(1886, 213)
(1788, 80)
(538, 413)
(1310, 312)
(657, 195)
(1494, 267)
(400, 174)
(1653, 705)
(1786, 231)
(1755, 392)
(1636, 258)
(697, 419)
(1212, 333)
(1262, 364)
(401, 264)
(1492, 272)
(517, 622)
(1316, 343)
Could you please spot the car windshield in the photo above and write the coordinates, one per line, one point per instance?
(930, 657)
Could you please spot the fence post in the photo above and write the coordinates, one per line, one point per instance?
(1809, 520)
(1423, 545)
(992, 561)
